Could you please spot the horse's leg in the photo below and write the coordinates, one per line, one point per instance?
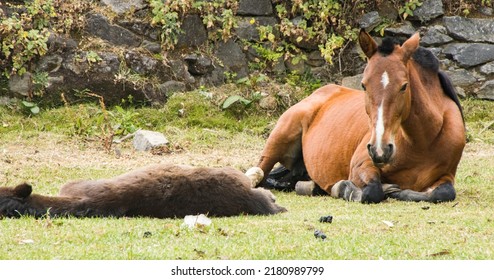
(284, 144)
(442, 191)
(281, 178)
(367, 177)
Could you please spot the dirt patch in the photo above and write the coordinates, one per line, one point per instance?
(55, 151)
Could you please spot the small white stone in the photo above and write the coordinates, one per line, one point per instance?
(145, 140)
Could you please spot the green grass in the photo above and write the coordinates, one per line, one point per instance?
(55, 147)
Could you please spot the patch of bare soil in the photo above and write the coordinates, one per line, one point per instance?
(50, 151)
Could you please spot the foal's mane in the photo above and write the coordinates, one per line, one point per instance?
(427, 60)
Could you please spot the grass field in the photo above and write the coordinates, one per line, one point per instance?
(65, 143)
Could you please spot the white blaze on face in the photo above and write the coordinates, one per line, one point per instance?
(379, 129)
(380, 117)
(385, 79)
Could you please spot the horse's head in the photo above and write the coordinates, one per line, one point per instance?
(388, 97)
(12, 200)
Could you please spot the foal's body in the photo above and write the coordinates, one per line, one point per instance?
(159, 191)
(404, 133)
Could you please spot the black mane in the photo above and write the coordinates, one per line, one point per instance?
(427, 60)
(388, 45)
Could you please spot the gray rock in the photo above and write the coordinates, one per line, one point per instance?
(22, 85)
(199, 65)
(437, 52)
(99, 26)
(387, 10)
(232, 58)
(354, 82)
(461, 92)
(470, 29)
(177, 70)
(369, 21)
(297, 68)
(152, 47)
(315, 59)
(53, 82)
(461, 77)
(435, 36)
(406, 29)
(279, 67)
(194, 32)
(50, 63)
(122, 6)
(109, 64)
(249, 31)
(488, 11)
(141, 64)
(430, 9)
(469, 55)
(145, 140)
(59, 42)
(486, 91)
(487, 69)
(255, 8)
(170, 87)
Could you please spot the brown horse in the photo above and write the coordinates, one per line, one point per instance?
(402, 137)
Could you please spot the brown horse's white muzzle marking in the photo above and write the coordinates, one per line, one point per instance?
(380, 156)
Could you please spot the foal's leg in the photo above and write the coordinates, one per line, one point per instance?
(443, 191)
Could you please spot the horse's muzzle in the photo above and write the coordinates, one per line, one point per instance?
(381, 157)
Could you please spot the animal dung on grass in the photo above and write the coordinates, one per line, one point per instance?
(326, 219)
(319, 234)
(160, 191)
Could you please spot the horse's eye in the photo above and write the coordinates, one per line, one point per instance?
(404, 87)
(363, 86)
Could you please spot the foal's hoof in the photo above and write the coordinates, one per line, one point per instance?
(305, 187)
(255, 175)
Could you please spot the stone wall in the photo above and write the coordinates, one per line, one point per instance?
(465, 46)
(131, 49)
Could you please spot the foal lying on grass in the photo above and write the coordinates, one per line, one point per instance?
(160, 191)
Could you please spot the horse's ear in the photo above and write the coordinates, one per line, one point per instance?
(367, 44)
(410, 46)
(23, 190)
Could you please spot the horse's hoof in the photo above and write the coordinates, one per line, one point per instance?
(347, 190)
(305, 187)
(338, 189)
(373, 193)
(391, 188)
(255, 175)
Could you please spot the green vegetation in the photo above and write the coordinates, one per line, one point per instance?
(23, 35)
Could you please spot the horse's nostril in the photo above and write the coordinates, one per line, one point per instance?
(390, 147)
(369, 146)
